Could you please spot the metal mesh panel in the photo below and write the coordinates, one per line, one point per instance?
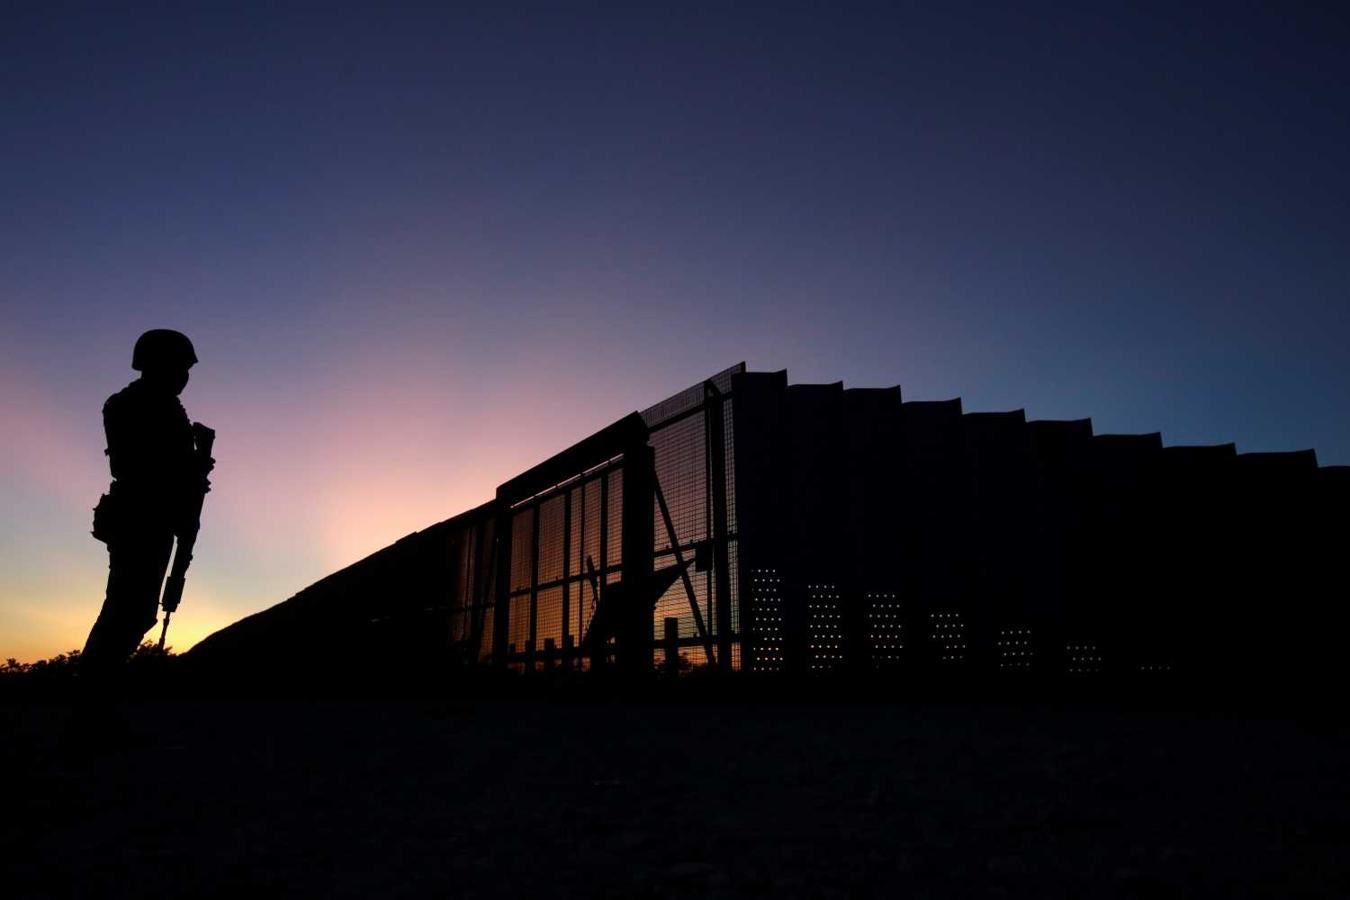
(549, 621)
(583, 606)
(729, 432)
(461, 621)
(518, 625)
(522, 548)
(471, 594)
(571, 590)
(696, 656)
(590, 542)
(485, 648)
(690, 398)
(551, 548)
(615, 522)
(681, 469)
(674, 603)
(734, 564)
(563, 548)
(576, 560)
(461, 624)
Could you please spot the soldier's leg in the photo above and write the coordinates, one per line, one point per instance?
(136, 568)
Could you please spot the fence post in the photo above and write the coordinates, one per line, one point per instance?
(672, 645)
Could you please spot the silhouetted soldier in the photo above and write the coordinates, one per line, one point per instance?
(159, 478)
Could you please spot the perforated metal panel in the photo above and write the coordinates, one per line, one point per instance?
(885, 628)
(824, 620)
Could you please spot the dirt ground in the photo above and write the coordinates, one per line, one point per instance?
(432, 798)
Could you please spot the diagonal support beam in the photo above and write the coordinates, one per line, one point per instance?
(594, 578)
(684, 572)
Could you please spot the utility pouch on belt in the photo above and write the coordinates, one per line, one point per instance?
(106, 519)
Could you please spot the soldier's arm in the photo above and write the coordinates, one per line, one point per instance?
(191, 467)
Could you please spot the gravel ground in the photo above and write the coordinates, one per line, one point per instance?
(361, 799)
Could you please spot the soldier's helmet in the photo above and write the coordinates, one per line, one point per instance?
(163, 348)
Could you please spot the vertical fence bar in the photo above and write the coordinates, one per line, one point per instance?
(672, 645)
(717, 476)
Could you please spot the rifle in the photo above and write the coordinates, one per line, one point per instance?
(204, 438)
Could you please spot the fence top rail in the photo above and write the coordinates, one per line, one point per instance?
(606, 444)
(688, 400)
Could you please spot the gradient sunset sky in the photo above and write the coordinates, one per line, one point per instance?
(420, 250)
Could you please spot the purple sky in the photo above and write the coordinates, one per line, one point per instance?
(421, 250)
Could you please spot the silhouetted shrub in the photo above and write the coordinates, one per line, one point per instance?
(56, 676)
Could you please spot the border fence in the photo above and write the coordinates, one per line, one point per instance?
(746, 524)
